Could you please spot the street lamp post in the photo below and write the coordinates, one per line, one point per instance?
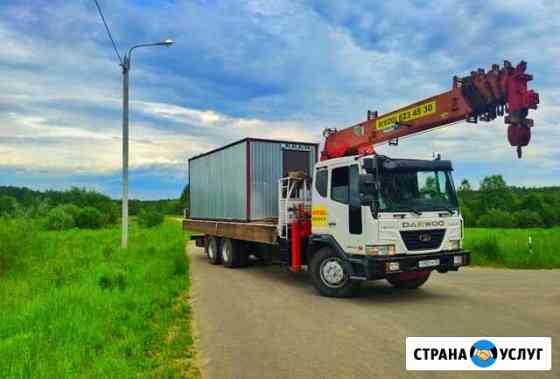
(126, 72)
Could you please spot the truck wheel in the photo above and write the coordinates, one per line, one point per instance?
(230, 253)
(407, 281)
(331, 274)
(213, 250)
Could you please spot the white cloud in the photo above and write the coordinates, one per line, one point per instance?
(272, 69)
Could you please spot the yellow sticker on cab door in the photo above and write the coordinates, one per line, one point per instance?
(387, 123)
(319, 216)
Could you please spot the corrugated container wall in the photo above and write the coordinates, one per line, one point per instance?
(218, 184)
(240, 181)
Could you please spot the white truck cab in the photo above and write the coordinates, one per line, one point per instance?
(375, 217)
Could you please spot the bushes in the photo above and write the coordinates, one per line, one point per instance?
(59, 219)
(528, 219)
(69, 216)
(149, 218)
(525, 207)
(496, 218)
(89, 218)
(72, 210)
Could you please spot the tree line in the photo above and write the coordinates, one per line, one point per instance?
(497, 205)
(494, 205)
(82, 208)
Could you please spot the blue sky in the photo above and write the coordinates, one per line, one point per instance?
(261, 68)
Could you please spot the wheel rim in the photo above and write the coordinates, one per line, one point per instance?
(225, 253)
(332, 273)
(212, 251)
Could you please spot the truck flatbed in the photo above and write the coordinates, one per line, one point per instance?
(255, 231)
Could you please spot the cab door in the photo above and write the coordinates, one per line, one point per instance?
(345, 219)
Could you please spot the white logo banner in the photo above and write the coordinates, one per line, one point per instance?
(478, 353)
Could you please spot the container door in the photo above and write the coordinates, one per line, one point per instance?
(295, 160)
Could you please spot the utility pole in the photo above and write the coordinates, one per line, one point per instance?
(125, 135)
(125, 65)
(125, 71)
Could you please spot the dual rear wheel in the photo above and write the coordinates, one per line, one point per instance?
(225, 251)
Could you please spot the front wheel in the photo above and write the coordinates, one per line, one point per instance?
(331, 274)
(409, 280)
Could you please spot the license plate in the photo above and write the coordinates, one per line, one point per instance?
(428, 263)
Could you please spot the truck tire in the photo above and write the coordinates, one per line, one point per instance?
(229, 253)
(213, 250)
(331, 274)
(398, 281)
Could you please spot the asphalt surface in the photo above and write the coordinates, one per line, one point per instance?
(264, 322)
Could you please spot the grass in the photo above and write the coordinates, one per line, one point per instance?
(75, 305)
(510, 247)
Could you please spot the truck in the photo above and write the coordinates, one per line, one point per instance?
(348, 214)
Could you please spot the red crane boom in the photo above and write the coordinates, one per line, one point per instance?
(481, 96)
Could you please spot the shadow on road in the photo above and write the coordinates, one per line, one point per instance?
(374, 292)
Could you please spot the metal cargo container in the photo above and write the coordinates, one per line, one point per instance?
(239, 181)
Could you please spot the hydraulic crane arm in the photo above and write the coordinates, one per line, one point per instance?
(481, 96)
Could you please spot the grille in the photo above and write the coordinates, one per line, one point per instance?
(423, 239)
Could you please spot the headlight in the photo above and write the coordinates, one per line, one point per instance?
(454, 245)
(381, 250)
(392, 266)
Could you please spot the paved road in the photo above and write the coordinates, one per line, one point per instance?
(264, 322)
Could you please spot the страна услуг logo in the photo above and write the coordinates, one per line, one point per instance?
(484, 353)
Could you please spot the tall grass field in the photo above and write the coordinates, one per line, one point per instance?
(73, 304)
(514, 248)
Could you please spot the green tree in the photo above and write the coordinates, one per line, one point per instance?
(493, 183)
(149, 218)
(550, 216)
(59, 219)
(528, 219)
(89, 218)
(72, 210)
(496, 218)
(533, 202)
(496, 194)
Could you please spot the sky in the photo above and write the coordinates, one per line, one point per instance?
(260, 68)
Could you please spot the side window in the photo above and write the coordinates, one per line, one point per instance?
(321, 178)
(354, 187)
(340, 184)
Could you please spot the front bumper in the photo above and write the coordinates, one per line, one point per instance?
(378, 267)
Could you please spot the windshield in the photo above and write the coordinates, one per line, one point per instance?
(417, 191)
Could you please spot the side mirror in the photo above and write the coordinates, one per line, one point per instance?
(369, 165)
(367, 184)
